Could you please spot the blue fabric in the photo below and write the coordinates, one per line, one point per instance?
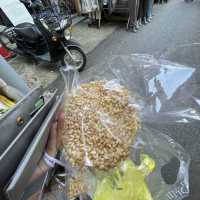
(149, 8)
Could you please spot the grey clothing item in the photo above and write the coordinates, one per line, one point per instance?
(133, 6)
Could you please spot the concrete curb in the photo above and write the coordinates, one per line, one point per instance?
(77, 19)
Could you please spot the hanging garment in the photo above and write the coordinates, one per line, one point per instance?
(150, 8)
(142, 9)
(88, 6)
(133, 6)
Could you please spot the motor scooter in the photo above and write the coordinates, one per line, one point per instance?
(48, 39)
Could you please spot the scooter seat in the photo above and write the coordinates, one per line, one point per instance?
(28, 31)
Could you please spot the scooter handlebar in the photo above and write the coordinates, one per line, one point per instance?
(35, 5)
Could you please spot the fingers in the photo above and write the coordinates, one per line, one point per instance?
(52, 141)
(60, 120)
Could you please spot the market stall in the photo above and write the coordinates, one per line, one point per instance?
(25, 119)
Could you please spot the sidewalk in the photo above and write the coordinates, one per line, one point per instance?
(88, 37)
(91, 37)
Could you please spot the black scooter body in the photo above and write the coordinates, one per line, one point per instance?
(43, 40)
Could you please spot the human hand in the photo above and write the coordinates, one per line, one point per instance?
(53, 145)
(54, 140)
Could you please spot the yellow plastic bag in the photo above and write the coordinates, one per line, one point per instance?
(127, 182)
(5, 104)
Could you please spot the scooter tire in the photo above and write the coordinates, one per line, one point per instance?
(83, 55)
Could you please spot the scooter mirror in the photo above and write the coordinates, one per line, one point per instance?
(32, 4)
(25, 1)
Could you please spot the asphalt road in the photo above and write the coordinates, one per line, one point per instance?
(174, 24)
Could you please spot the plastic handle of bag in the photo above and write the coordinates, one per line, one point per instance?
(180, 188)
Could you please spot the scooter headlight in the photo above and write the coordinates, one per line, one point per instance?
(67, 34)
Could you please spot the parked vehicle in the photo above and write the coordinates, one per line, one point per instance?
(48, 39)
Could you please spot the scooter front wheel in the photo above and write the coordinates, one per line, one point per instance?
(77, 58)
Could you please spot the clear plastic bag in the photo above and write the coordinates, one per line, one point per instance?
(100, 125)
(170, 178)
(157, 92)
(165, 91)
